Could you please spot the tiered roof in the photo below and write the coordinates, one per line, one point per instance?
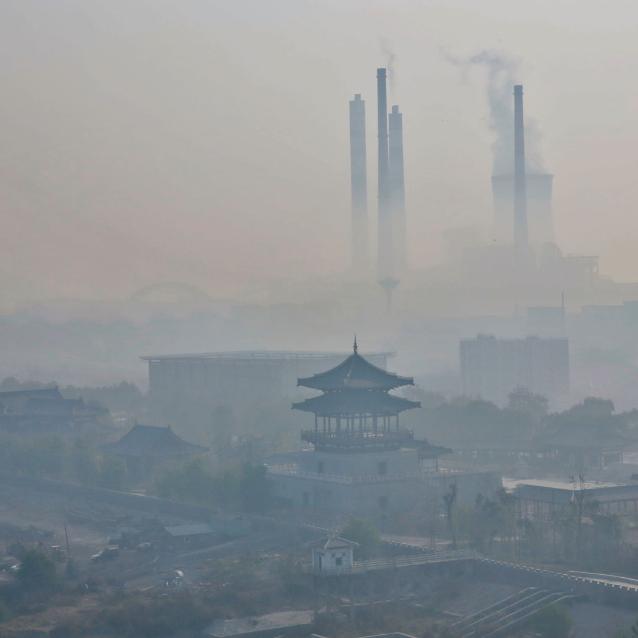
(355, 387)
(355, 373)
(153, 441)
(356, 402)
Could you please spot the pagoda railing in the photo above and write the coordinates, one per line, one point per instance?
(347, 439)
(346, 479)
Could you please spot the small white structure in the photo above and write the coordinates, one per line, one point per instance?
(333, 555)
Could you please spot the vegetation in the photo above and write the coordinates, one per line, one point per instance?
(55, 457)
(244, 487)
(365, 534)
(553, 622)
(180, 614)
(37, 572)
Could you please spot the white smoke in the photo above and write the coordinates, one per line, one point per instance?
(388, 53)
(501, 74)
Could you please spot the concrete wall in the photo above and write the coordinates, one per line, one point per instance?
(364, 464)
(379, 497)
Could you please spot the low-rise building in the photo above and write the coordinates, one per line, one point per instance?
(145, 447)
(333, 556)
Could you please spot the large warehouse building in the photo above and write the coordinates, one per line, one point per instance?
(186, 389)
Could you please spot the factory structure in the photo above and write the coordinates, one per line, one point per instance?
(391, 216)
(521, 197)
(492, 368)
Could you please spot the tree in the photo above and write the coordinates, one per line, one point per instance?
(254, 488)
(36, 572)
(525, 402)
(364, 533)
(449, 498)
(553, 622)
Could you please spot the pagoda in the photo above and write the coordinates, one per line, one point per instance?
(356, 410)
(362, 460)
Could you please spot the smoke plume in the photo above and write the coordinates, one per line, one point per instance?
(390, 58)
(501, 74)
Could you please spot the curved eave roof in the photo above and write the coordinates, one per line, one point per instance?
(150, 440)
(355, 373)
(351, 403)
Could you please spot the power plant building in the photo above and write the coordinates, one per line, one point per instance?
(539, 188)
(492, 368)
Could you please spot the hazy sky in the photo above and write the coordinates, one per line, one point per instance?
(204, 141)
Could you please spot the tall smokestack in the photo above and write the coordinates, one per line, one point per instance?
(397, 187)
(385, 243)
(359, 184)
(521, 237)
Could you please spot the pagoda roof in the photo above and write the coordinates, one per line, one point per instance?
(356, 402)
(154, 441)
(355, 372)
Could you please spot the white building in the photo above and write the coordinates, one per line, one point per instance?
(333, 556)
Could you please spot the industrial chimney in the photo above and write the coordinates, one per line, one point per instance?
(385, 243)
(359, 185)
(521, 238)
(397, 187)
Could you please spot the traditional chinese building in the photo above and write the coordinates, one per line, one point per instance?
(146, 447)
(46, 411)
(362, 459)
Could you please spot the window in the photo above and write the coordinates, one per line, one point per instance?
(382, 468)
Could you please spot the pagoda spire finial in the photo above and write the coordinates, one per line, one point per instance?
(355, 347)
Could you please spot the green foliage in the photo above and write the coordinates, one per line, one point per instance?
(112, 473)
(5, 612)
(254, 488)
(532, 405)
(365, 534)
(37, 572)
(180, 614)
(244, 487)
(57, 458)
(553, 622)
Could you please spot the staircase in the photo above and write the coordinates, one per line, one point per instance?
(509, 613)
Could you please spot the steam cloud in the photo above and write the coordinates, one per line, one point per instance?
(502, 71)
(390, 58)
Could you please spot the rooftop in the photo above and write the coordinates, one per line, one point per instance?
(189, 529)
(248, 625)
(40, 393)
(249, 355)
(556, 484)
(355, 373)
(334, 542)
(152, 440)
(354, 403)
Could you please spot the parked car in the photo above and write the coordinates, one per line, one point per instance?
(108, 553)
